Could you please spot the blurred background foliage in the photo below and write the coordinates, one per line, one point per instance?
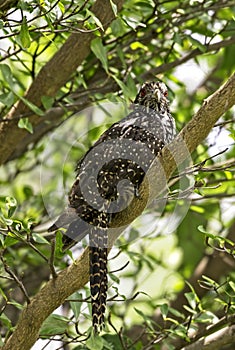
(191, 47)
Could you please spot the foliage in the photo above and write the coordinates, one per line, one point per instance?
(151, 305)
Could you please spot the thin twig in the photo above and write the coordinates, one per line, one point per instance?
(15, 278)
(52, 258)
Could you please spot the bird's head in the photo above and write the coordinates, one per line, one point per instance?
(153, 95)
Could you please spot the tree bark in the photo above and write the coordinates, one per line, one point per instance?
(50, 79)
(214, 341)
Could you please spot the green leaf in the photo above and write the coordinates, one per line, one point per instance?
(118, 27)
(76, 304)
(221, 240)
(112, 342)
(210, 282)
(5, 321)
(9, 241)
(176, 313)
(131, 86)
(17, 305)
(126, 91)
(114, 7)
(7, 99)
(54, 324)
(95, 343)
(197, 209)
(59, 244)
(24, 36)
(191, 297)
(177, 39)
(3, 294)
(135, 45)
(7, 74)
(11, 205)
(31, 106)
(61, 7)
(145, 317)
(232, 285)
(206, 317)
(197, 43)
(100, 52)
(164, 310)
(189, 309)
(5, 220)
(202, 229)
(180, 331)
(39, 238)
(114, 278)
(49, 22)
(25, 124)
(95, 19)
(47, 101)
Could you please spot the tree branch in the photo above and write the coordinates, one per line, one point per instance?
(50, 79)
(56, 115)
(5, 5)
(194, 53)
(54, 293)
(9, 131)
(224, 336)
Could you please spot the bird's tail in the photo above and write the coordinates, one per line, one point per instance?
(98, 276)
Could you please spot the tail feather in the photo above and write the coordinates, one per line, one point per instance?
(98, 238)
(98, 277)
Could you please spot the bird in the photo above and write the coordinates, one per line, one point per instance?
(107, 178)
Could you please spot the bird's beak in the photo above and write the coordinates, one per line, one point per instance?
(157, 94)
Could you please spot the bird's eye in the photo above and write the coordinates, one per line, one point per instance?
(165, 93)
(142, 92)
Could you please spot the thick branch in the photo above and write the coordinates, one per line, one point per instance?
(54, 293)
(50, 79)
(55, 115)
(217, 340)
(6, 5)
(9, 131)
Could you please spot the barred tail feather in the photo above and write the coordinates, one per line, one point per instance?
(98, 276)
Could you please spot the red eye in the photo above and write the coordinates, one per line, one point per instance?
(142, 92)
(165, 93)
